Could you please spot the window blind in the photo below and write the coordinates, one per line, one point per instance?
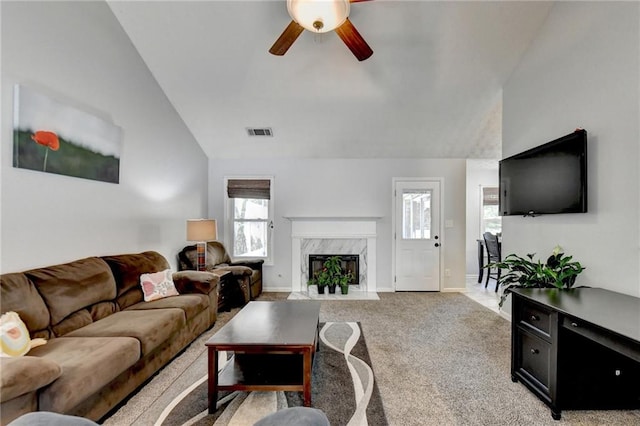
(490, 196)
(249, 188)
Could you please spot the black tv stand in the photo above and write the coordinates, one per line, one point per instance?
(577, 349)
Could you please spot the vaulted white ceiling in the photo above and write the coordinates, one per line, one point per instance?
(432, 89)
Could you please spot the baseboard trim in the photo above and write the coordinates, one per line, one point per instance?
(505, 315)
(277, 289)
(454, 290)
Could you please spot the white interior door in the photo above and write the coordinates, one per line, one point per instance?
(417, 235)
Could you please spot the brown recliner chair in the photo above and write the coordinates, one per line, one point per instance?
(243, 281)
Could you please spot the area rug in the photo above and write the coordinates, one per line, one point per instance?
(343, 387)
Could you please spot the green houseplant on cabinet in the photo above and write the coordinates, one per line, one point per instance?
(332, 274)
(558, 272)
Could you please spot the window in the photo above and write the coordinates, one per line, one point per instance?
(416, 211)
(250, 217)
(490, 220)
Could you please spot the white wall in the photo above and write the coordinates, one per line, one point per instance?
(347, 187)
(583, 71)
(78, 53)
(479, 173)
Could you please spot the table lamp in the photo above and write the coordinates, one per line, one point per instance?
(201, 231)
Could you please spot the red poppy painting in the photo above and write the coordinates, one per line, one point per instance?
(50, 136)
(49, 140)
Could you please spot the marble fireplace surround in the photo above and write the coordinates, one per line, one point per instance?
(339, 235)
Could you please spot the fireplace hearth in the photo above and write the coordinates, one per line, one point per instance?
(350, 262)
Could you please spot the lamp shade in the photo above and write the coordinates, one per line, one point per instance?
(319, 16)
(201, 230)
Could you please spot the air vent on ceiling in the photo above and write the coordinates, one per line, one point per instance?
(261, 131)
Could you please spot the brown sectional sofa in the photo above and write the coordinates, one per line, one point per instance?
(103, 340)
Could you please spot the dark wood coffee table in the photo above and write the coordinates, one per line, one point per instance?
(273, 344)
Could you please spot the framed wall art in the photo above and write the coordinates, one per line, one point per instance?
(52, 137)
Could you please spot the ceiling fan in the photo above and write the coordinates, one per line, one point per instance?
(321, 16)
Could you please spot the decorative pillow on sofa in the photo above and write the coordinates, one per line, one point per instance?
(157, 285)
(14, 336)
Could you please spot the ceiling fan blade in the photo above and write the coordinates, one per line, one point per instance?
(286, 39)
(354, 41)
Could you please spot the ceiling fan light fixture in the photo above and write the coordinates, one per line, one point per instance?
(319, 16)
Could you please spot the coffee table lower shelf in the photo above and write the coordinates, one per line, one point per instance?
(264, 372)
(244, 371)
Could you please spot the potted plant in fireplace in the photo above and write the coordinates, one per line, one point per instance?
(343, 282)
(320, 278)
(332, 275)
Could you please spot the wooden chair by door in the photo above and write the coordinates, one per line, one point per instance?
(493, 255)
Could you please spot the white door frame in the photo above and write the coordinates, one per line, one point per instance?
(394, 180)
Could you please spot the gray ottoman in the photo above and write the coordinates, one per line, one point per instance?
(295, 416)
(45, 418)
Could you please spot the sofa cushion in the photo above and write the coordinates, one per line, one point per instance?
(127, 269)
(74, 321)
(84, 317)
(88, 364)
(151, 327)
(217, 253)
(18, 294)
(157, 285)
(26, 374)
(73, 286)
(191, 304)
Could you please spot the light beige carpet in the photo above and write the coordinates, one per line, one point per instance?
(439, 359)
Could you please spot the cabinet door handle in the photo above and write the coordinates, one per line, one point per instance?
(535, 318)
(535, 351)
(574, 324)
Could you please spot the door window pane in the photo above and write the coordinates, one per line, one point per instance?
(491, 220)
(416, 214)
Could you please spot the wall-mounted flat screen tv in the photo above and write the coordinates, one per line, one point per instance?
(548, 179)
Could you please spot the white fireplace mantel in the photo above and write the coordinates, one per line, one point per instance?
(332, 228)
(332, 218)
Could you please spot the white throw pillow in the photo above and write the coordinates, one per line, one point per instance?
(157, 285)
